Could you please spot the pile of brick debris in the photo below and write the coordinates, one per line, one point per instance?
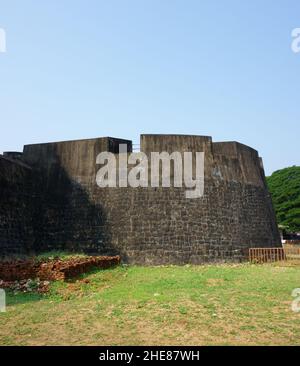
(33, 275)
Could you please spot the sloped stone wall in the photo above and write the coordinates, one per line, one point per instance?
(16, 208)
(150, 225)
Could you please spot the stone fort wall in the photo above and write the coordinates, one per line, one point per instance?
(54, 203)
(16, 208)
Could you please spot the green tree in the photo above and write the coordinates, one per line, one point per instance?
(284, 186)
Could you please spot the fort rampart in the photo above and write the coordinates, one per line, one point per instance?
(49, 199)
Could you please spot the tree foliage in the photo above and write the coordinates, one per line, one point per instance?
(284, 186)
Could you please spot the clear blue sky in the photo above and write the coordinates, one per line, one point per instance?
(80, 69)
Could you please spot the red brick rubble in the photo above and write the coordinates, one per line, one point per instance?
(53, 269)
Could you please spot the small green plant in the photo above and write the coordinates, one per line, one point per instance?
(183, 310)
(32, 285)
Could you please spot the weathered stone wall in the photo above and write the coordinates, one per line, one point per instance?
(151, 225)
(16, 209)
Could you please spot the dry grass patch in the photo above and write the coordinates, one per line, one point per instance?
(172, 305)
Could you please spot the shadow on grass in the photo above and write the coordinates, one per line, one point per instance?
(23, 298)
(57, 288)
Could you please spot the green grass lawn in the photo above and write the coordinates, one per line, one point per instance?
(190, 305)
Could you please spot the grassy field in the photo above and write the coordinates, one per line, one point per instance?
(191, 305)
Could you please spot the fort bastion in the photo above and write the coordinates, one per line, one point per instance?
(49, 200)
